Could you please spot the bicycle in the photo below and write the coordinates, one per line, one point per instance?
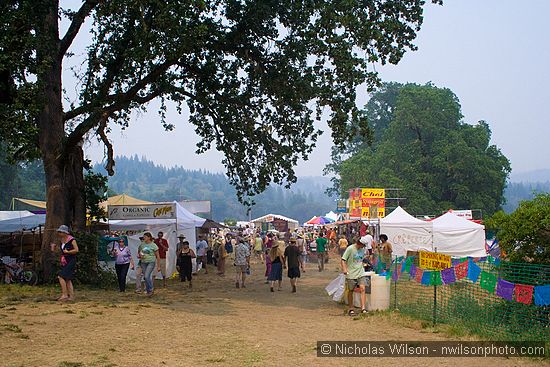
(15, 272)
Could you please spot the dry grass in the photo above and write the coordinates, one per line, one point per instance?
(213, 324)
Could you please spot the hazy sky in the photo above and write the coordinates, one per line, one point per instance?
(493, 54)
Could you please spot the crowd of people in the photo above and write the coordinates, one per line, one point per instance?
(278, 251)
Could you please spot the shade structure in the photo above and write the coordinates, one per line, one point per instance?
(22, 224)
(406, 233)
(457, 236)
(185, 223)
(123, 199)
(319, 221)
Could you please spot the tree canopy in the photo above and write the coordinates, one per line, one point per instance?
(425, 149)
(254, 74)
(524, 235)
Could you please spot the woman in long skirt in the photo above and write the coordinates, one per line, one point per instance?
(185, 264)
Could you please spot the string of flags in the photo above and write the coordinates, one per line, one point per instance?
(467, 268)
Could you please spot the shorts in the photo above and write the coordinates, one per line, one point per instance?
(294, 272)
(241, 268)
(352, 283)
(163, 267)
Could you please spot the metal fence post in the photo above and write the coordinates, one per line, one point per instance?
(395, 288)
(435, 301)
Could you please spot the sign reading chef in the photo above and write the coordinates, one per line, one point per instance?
(150, 211)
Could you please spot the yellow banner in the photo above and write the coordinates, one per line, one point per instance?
(433, 260)
(369, 193)
(365, 212)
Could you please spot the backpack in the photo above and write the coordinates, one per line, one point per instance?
(228, 247)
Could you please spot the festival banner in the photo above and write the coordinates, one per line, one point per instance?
(372, 193)
(149, 211)
(448, 276)
(426, 278)
(461, 270)
(488, 281)
(505, 289)
(542, 295)
(366, 212)
(473, 271)
(433, 260)
(524, 293)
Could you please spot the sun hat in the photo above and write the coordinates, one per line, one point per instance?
(63, 229)
(181, 236)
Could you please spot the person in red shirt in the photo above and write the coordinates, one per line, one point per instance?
(162, 244)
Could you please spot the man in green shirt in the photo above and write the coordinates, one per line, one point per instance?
(352, 267)
(321, 242)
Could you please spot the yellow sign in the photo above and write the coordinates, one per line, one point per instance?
(368, 193)
(433, 261)
(365, 212)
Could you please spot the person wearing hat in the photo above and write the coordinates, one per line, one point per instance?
(352, 267)
(277, 263)
(185, 264)
(68, 249)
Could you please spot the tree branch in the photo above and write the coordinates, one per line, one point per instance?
(109, 166)
(96, 117)
(76, 23)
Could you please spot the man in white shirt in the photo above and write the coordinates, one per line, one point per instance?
(368, 241)
(202, 247)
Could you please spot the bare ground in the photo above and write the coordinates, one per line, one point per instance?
(212, 325)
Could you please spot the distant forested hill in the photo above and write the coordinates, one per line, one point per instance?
(149, 181)
(518, 191)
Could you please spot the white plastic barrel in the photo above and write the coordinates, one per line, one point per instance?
(379, 297)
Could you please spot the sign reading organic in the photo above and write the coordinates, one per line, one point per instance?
(150, 211)
(433, 260)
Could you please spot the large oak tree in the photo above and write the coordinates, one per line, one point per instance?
(255, 74)
(424, 148)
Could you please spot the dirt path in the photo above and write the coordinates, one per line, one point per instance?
(212, 325)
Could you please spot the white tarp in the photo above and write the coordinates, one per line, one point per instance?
(10, 214)
(22, 224)
(406, 232)
(457, 236)
(185, 223)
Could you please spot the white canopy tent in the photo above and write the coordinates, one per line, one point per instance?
(458, 237)
(332, 215)
(184, 223)
(405, 232)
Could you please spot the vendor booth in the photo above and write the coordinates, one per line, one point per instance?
(448, 234)
(457, 236)
(277, 222)
(170, 218)
(405, 232)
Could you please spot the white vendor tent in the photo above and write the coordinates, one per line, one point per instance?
(405, 232)
(181, 221)
(458, 237)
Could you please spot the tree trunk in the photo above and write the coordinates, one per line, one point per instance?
(62, 165)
